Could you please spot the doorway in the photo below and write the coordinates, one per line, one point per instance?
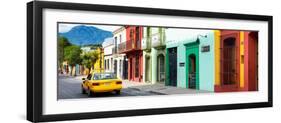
(253, 61)
(229, 65)
(160, 68)
(115, 67)
(192, 66)
(172, 54)
(148, 69)
(130, 69)
(192, 71)
(125, 68)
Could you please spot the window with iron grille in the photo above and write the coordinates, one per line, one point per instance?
(120, 37)
(131, 34)
(120, 64)
(108, 64)
(137, 33)
(228, 62)
(137, 66)
(161, 68)
(105, 65)
(115, 41)
(192, 71)
(115, 67)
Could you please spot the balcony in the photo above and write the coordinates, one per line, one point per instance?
(157, 40)
(129, 45)
(122, 47)
(146, 43)
(114, 50)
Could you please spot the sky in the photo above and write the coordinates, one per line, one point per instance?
(67, 27)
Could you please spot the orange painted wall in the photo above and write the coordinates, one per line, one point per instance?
(247, 60)
(217, 57)
(251, 61)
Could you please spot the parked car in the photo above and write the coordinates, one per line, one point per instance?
(101, 82)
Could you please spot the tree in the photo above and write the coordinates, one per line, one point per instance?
(89, 59)
(62, 43)
(72, 56)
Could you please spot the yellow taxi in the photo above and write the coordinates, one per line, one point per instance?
(101, 82)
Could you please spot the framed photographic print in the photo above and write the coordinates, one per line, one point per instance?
(95, 61)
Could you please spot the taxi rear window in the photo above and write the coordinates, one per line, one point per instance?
(103, 76)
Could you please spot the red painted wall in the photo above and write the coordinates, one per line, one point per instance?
(224, 35)
(250, 61)
(134, 37)
(134, 53)
(132, 57)
(246, 61)
(251, 72)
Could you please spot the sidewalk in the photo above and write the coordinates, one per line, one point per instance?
(160, 88)
(131, 84)
(77, 77)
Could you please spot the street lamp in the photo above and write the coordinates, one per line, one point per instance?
(198, 40)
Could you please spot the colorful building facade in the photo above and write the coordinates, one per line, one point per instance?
(190, 58)
(133, 51)
(212, 60)
(153, 45)
(108, 46)
(99, 64)
(236, 61)
(120, 59)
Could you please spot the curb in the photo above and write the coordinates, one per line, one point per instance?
(135, 88)
(159, 93)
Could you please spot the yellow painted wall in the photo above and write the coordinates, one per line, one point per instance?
(86, 71)
(99, 65)
(217, 57)
(242, 38)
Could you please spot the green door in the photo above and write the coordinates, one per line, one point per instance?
(192, 66)
(172, 67)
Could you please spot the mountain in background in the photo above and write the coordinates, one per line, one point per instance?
(86, 35)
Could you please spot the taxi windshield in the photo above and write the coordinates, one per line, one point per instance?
(102, 76)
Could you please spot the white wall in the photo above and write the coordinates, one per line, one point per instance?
(13, 34)
(108, 50)
(177, 35)
(108, 45)
(119, 57)
(123, 36)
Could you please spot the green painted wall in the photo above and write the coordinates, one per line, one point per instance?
(192, 48)
(167, 68)
(147, 67)
(152, 52)
(154, 65)
(206, 59)
(207, 63)
(181, 70)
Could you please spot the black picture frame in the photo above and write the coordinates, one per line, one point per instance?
(34, 60)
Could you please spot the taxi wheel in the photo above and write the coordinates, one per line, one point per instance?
(83, 90)
(118, 92)
(90, 93)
